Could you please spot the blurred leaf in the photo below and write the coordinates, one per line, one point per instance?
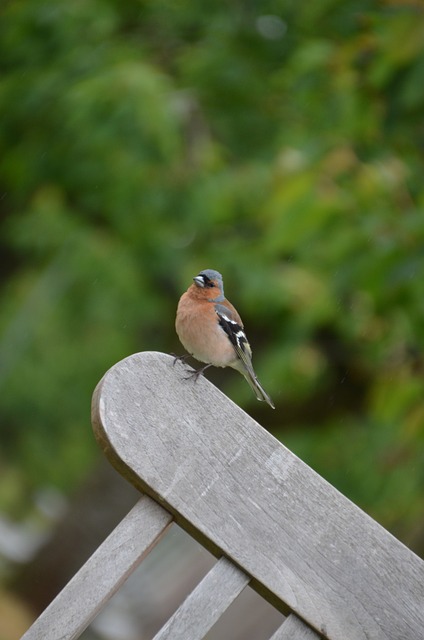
(281, 145)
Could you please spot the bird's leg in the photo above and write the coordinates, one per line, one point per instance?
(180, 358)
(197, 372)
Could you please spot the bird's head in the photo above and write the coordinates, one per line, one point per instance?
(211, 282)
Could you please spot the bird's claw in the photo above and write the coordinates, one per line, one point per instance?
(196, 373)
(179, 358)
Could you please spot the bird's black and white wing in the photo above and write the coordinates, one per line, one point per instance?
(236, 335)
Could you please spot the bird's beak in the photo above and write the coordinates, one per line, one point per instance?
(198, 280)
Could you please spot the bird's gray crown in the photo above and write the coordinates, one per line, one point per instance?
(211, 274)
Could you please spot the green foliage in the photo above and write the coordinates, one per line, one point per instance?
(281, 144)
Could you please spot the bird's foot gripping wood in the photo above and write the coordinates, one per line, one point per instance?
(181, 358)
(196, 373)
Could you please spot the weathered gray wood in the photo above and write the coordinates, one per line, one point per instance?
(294, 629)
(202, 608)
(102, 575)
(244, 495)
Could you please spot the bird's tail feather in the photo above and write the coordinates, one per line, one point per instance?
(257, 388)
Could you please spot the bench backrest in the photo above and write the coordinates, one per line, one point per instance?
(271, 521)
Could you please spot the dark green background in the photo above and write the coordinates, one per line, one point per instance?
(280, 143)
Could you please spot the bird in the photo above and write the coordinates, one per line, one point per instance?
(211, 330)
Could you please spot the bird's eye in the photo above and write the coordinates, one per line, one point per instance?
(207, 282)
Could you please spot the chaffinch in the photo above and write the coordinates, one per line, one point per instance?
(211, 330)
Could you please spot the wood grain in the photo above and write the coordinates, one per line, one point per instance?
(207, 602)
(242, 494)
(294, 629)
(101, 576)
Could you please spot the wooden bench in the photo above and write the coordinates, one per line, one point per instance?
(271, 521)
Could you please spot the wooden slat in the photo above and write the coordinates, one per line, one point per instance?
(240, 492)
(206, 603)
(294, 629)
(100, 577)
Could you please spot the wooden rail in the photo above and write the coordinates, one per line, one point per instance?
(270, 519)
